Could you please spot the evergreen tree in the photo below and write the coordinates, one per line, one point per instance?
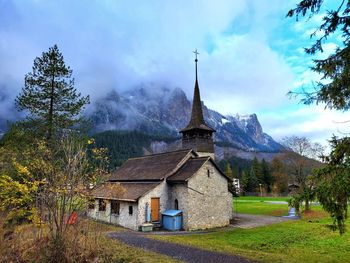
(279, 175)
(267, 176)
(229, 173)
(252, 182)
(244, 181)
(256, 167)
(333, 88)
(332, 184)
(49, 94)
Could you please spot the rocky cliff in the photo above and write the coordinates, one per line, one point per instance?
(165, 111)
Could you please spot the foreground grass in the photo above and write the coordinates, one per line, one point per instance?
(93, 245)
(306, 240)
(116, 251)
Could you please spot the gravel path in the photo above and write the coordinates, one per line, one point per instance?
(176, 251)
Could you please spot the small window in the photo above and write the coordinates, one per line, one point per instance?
(130, 209)
(176, 204)
(115, 207)
(208, 172)
(91, 204)
(101, 205)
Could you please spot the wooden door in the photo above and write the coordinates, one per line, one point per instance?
(155, 209)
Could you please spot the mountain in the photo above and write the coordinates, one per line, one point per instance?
(8, 113)
(123, 145)
(165, 111)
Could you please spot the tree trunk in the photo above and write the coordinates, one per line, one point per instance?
(51, 108)
(307, 205)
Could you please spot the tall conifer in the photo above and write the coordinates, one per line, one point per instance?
(49, 94)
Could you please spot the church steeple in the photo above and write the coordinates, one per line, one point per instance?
(198, 135)
(197, 113)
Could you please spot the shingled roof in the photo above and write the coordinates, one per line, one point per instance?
(152, 167)
(127, 191)
(188, 169)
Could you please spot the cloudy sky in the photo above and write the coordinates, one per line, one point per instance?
(251, 55)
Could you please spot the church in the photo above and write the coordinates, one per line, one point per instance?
(187, 180)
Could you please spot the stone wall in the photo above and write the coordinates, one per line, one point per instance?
(161, 191)
(180, 192)
(209, 201)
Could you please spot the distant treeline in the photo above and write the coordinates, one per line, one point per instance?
(123, 145)
(254, 175)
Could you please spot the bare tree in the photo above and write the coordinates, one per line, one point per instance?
(65, 190)
(301, 159)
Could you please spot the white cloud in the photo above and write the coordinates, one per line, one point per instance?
(314, 122)
(118, 44)
(248, 75)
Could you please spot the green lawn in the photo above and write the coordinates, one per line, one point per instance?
(260, 208)
(295, 241)
(305, 240)
(258, 198)
(263, 205)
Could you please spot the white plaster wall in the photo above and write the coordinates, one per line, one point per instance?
(213, 207)
(123, 219)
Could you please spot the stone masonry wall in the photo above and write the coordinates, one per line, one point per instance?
(161, 191)
(210, 205)
(180, 192)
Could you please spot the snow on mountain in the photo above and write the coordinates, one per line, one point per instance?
(161, 110)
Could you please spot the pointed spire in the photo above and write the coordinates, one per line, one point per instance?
(197, 119)
(197, 113)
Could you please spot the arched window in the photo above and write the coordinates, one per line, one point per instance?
(176, 204)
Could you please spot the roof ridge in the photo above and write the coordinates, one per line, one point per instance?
(179, 165)
(200, 157)
(157, 154)
(206, 158)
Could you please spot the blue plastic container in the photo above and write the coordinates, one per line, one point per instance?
(172, 220)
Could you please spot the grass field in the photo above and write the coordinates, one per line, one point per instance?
(305, 240)
(263, 205)
(259, 207)
(262, 199)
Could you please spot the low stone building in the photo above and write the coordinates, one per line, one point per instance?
(188, 180)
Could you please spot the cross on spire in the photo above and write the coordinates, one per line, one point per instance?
(196, 60)
(197, 134)
(196, 53)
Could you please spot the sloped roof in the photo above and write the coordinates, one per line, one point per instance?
(191, 167)
(188, 169)
(127, 191)
(152, 167)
